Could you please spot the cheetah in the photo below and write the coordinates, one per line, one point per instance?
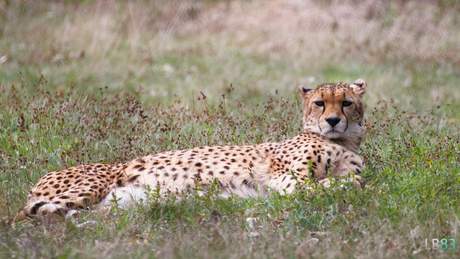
(327, 147)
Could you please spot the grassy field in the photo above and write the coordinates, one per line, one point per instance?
(110, 81)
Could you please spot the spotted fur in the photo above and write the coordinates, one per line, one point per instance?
(328, 146)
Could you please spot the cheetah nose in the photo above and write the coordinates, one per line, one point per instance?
(333, 121)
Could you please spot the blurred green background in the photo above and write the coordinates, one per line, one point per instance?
(406, 50)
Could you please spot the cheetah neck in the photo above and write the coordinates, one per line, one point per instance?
(351, 140)
(350, 144)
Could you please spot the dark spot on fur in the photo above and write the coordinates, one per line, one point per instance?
(132, 178)
(354, 163)
(34, 209)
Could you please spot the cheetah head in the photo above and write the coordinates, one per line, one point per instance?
(336, 112)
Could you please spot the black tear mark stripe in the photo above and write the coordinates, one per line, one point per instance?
(346, 119)
(319, 117)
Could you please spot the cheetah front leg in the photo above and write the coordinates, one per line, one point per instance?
(348, 169)
(287, 179)
(343, 165)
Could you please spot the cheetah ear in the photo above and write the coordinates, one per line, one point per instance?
(304, 92)
(359, 87)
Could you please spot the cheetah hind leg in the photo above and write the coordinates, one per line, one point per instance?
(39, 207)
(61, 208)
(122, 197)
(85, 185)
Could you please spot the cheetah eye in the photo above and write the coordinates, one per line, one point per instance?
(319, 103)
(346, 103)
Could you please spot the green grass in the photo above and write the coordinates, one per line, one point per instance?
(138, 88)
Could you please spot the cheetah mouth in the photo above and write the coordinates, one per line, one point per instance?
(333, 134)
